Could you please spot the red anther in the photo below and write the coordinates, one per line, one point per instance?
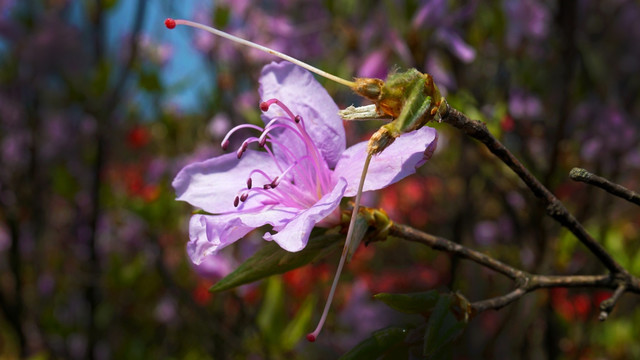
(170, 23)
(225, 145)
(275, 182)
(249, 183)
(298, 118)
(266, 186)
(244, 197)
(264, 106)
(262, 141)
(236, 201)
(311, 337)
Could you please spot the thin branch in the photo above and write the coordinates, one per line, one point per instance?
(104, 112)
(585, 176)
(554, 207)
(525, 282)
(607, 306)
(437, 243)
(116, 93)
(498, 302)
(14, 307)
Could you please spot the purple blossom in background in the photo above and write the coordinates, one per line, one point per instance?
(165, 311)
(488, 232)
(215, 266)
(375, 65)
(363, 315)
(5, 6)
(607, 131)
(526, 19)
(246, 100)
(219, 125)
(157, 53)
(523, 105)
(55, 46)
(435, 15)
(46, 285)
(485, 232)
(5, 242)
(298, 182)
(14, 152)
(460, 49)
(435, 66)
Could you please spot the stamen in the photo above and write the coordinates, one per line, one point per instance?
(275, 182)
(302, 134)
(258, 171)
(262, 141)
(347, 244)
(171, 23)
(264, 106)
(225, 141)
(236, 201)
(249, 183)
(243, 147)
(266, 186)
(270, 125)
(244, 196)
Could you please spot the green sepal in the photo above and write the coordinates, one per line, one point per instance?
(359, 231)
(272, 259)
(414, 303)
(381, 344)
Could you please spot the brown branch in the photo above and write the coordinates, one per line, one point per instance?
(437, 243)
(607, 306)
(554, 207)
(525, 282)
(585, 176)
(103, 113)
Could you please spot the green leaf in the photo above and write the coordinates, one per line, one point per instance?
(415, 303)
(442, 329)
(109, 4)
(379, 344)
(149, 81)
(272, 313)
(221, 16)
(299, 326)
(271, 260)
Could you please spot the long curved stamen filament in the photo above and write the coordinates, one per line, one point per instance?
(312, 336)
(171, 23)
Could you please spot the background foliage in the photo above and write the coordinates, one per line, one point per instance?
(100, 107)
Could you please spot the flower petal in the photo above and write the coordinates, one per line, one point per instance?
(299, 90)
(212, 185)
(396, 162)
(210, 233)
(294, 235)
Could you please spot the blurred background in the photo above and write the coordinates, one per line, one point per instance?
(101, 105)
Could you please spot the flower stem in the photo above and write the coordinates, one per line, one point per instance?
(347, 244)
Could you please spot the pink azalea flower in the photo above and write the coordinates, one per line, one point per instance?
(298, 173)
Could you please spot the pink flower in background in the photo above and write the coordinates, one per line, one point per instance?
(297, 182)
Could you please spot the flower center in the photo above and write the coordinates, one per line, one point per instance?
(304, 174)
